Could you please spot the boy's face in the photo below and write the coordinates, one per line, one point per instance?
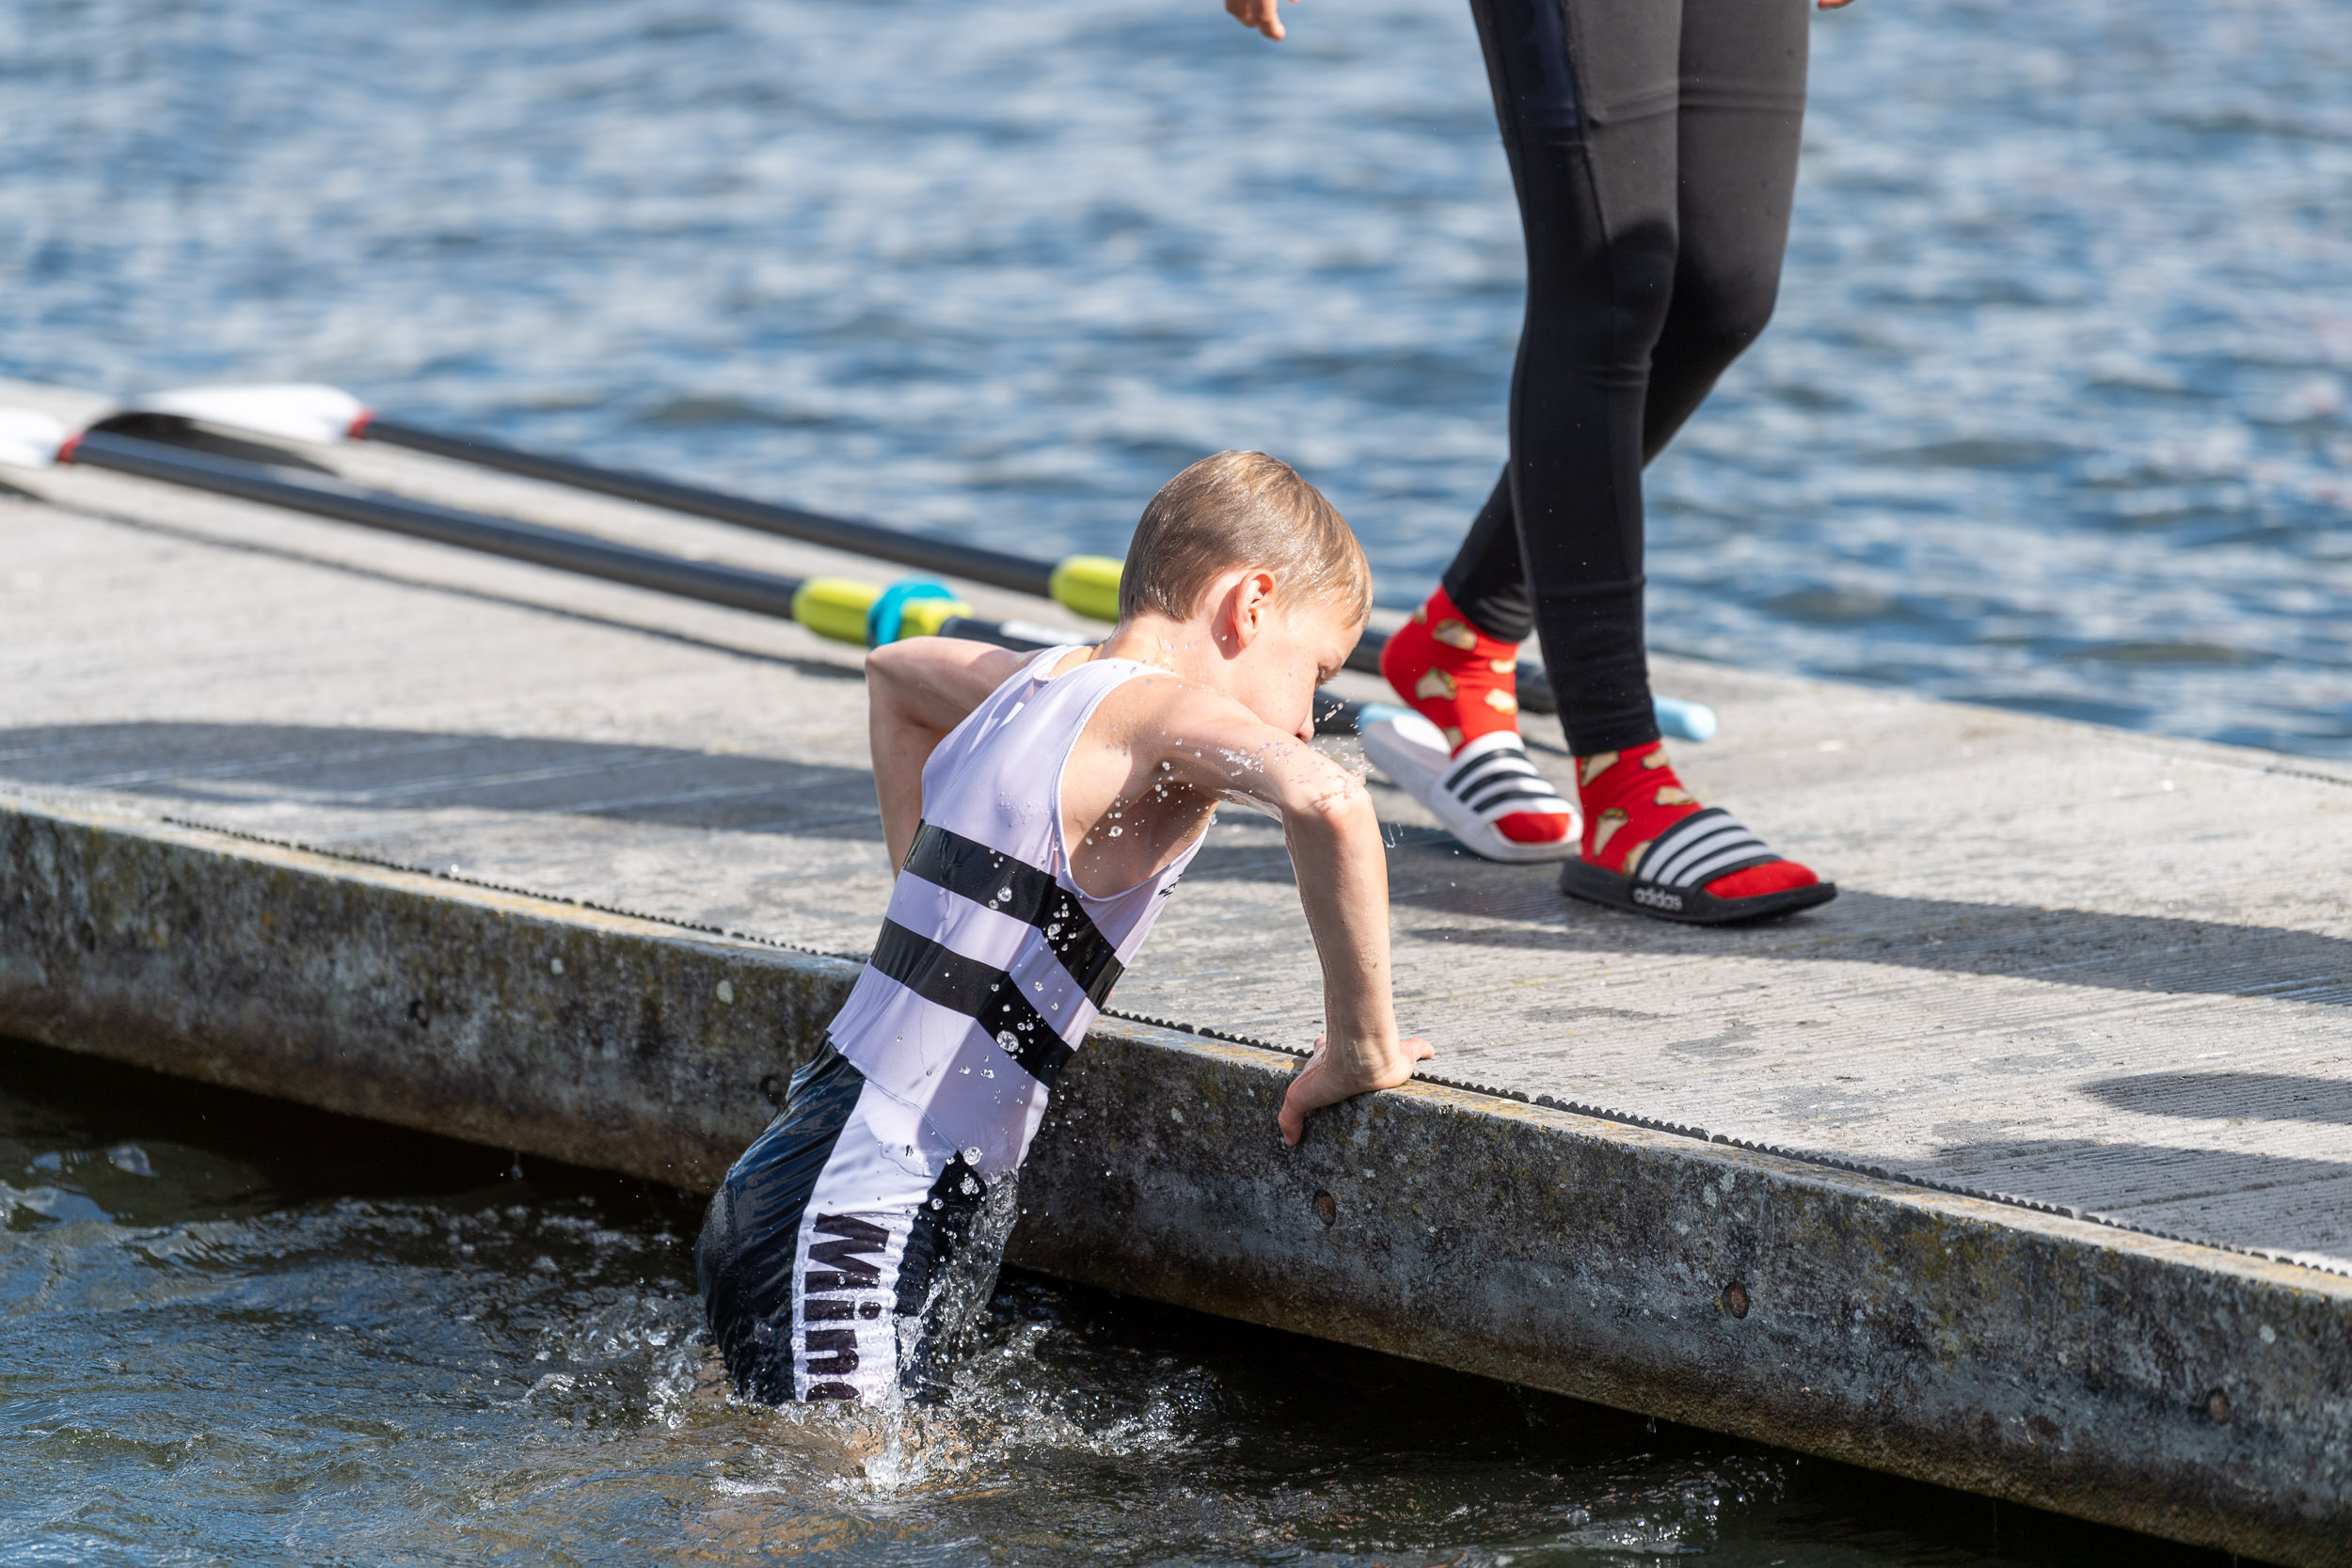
(1298, 646)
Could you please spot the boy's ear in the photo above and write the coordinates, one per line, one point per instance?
(1251, 599)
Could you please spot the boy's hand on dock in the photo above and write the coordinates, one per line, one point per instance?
(1332, 1075)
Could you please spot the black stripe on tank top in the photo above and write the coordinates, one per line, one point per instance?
(980, 991)
(995, 881)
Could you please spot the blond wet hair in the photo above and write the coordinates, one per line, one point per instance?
(1242, 509)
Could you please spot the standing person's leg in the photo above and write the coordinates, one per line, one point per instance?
(1654, 155)
(1743, 116)
(1742, 107)
(1584, 94)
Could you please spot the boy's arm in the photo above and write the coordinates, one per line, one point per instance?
(1344, 884)
(1343, 869)
(915, 692)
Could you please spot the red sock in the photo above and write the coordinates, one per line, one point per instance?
(1632, 797)
(1467, 684)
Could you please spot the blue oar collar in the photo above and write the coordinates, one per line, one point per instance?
(883, 620)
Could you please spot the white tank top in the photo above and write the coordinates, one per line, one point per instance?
(991, 962)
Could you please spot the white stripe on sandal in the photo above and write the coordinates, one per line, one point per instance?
(1702, 847)
(1492, 779)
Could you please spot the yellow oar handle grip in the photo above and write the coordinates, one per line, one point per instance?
(924, 617)
(849, 610)
(842, 608)
(1088, 584)
(834, 607)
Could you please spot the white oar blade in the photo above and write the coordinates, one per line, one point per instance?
(30, 439)
(293, 411)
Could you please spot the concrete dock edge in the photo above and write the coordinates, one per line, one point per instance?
(2182, 1390)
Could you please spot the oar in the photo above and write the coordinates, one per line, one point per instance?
(846, 609)
(1086, 584)
(329, 415)
(843, 608)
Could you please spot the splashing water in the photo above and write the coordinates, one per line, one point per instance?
(237, 1329)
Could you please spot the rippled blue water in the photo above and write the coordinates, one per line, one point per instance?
(2054, 414)
(233, 1331)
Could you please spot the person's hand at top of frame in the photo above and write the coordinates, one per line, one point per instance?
(1833, 5)
(1264, 14)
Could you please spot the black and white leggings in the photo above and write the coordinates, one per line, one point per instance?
(850, 1248)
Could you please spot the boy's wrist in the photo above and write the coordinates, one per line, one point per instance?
(1365, 1045)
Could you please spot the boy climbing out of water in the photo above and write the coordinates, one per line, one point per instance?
(1040, 808)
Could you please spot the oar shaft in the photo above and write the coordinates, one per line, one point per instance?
(708, 581)
(973, 562)
(561, 549)
(585, 555)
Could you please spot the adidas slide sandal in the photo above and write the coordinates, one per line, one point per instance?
(1669, 878)
(1492, 779)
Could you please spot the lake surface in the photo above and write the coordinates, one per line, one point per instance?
(233, 1331)
(2054, 415)
(2057, 414)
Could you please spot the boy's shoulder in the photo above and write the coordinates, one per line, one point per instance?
(1167, 698)
(1159, 714)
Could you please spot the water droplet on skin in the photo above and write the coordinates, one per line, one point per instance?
(1115, 833)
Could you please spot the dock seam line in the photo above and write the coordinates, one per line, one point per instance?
(1626, 1119)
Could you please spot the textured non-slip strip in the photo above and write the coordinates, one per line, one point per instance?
(980, 991)
(1794, 1156)
(995, 881)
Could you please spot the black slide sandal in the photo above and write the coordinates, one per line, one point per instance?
(1700, 849)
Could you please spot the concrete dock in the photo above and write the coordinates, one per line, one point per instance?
(2025, 1167)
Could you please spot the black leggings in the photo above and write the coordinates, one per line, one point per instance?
(1654, 147)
